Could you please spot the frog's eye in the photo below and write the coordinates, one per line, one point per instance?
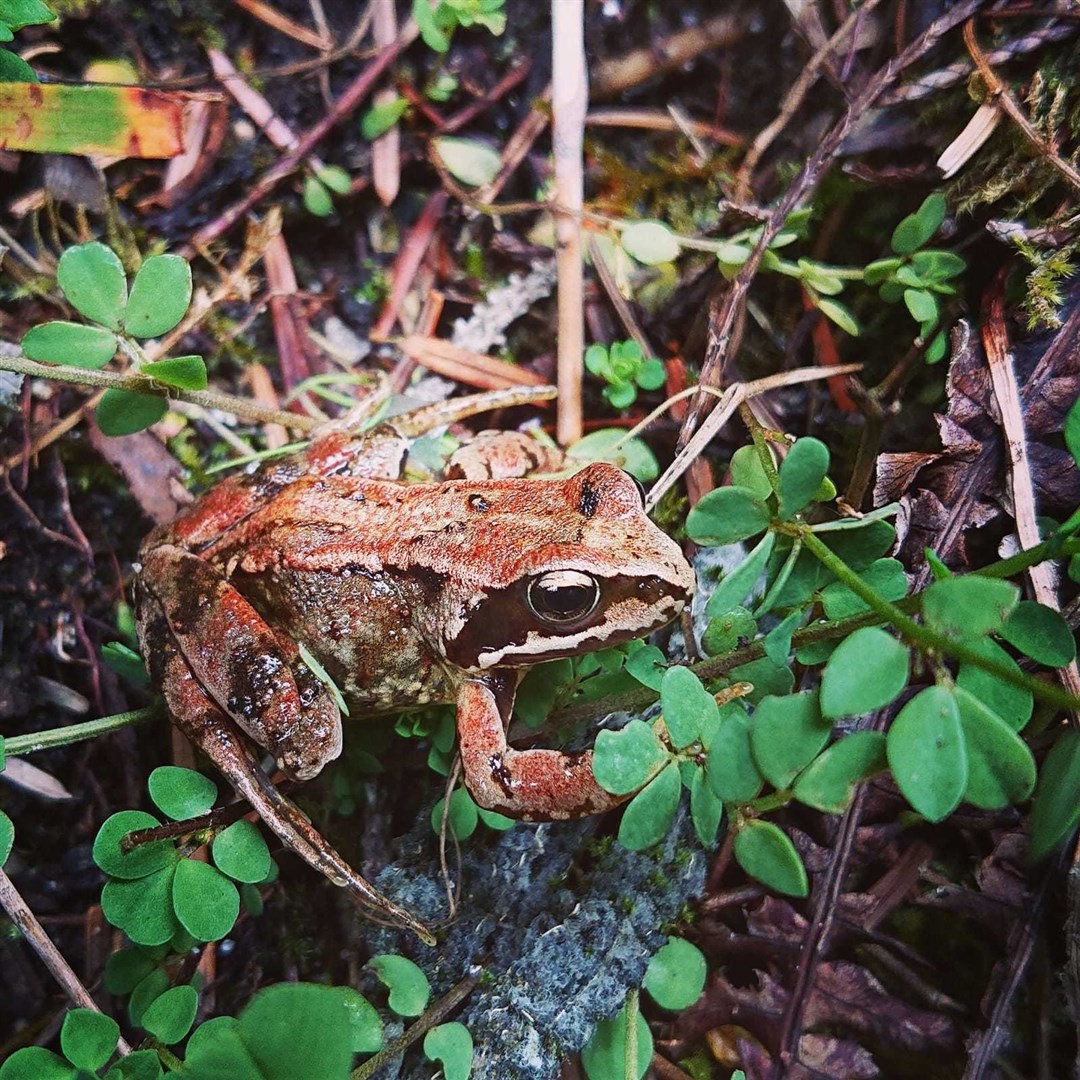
(563, 596)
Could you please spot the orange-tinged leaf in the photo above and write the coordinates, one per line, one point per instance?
(125, 121)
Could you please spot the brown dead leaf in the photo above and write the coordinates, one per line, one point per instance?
(963, 486)
(147, 467)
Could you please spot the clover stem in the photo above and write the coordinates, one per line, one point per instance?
(924, 637)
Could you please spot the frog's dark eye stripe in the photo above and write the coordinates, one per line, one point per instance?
(563, 596)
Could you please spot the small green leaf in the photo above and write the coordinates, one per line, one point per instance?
(183, 372)
(651, 374)
(462, 818)
(170, 1016)
(140, 1065)
(647, 665)
(687, 706)
(1040, 632)
(604, 1055)
(141, 861)
(15, 69)
(765, 852)
(1001, 768)
(650, 242)
(142, 908)
(969, 606)
(493, 820)
(70, 344)
(786, 734)
(92, 278)
(748, 472)
(88, 1038)
(865, 672)
(19, 13)
(766, 678)
(877, 272)
(470, 161)
(927, 753)
(627, 759)
(335, 178)
(36, 1063)
(632, 456)
(675, 976)
(840, 314)
(316, 197)
(433, 35)
(379, 119)
(1056, 808)
(829, 781)
(452, 1045)
(127, 663)
(706, 810)
(124, 412)
(125, 969)
(922, 305)
(241, 852)
(728, 630)
(648, 817)
(916, 229)
(206, 902)
(730, 767)
(147, 990)
(160, 295)
(7, 837)
(735, 586)
(620, 395)
(1012, 703)
(886, 577)
(801, 473)
(937, 265)
(181, 793)
(408, 985)
(368, 1035)
(727, 515)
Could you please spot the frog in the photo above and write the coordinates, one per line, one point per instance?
(322, 584)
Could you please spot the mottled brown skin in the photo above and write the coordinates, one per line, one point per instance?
(405, 594)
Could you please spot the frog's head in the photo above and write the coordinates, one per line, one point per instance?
(562, 567)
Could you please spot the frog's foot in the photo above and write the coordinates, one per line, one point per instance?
(202, 721)
(532, 785)
(237, 659)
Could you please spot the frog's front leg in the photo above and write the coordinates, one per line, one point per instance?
(200, 718)
(533, 785)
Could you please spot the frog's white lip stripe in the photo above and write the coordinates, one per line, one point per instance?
(538, 645)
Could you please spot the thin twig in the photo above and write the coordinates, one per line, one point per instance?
(289, 162)
(794, 98)
(570, 100)
(724, 318)
(21, 915)
(209, 399)
(430, 1019)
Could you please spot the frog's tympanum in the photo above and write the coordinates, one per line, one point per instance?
(404, 594)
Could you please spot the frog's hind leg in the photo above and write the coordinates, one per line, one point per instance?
(252, 676)
(203, 722)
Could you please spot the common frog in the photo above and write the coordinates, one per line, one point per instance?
(404, 594)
